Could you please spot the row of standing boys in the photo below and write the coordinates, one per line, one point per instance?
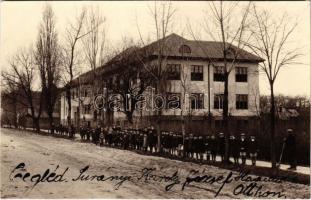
(197, 147)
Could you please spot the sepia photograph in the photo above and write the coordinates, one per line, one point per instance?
(155, 99)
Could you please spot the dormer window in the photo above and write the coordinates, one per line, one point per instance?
(184, 49)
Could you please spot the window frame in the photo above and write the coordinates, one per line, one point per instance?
(168, 100)
(200, 104)
(184, 49)
(220, 104)
(219, 73)
(241, 74)
(173, 72)
(241, 102)
(197, 73)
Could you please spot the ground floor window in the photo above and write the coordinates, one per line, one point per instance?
(197, 101)
(173, 100)
(218, 101)
(241, 101)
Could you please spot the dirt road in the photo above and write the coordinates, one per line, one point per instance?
(117, 173)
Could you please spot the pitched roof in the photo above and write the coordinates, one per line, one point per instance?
(206, 50)
(199, 49)
(112, 64)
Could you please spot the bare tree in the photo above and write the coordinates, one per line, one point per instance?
(220, 26)
(184, 95)
(94, 44)
(74, 33)
(270, 40)
(22, 75)
(132, 79)
(157, 54)
(256, 94)
(47, 58)
(9, 99)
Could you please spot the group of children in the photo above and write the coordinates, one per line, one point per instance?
(191, 146)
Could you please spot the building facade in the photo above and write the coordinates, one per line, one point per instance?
(194, 86)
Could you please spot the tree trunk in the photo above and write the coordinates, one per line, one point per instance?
(225, 116)
(36, 123)
(158, 128)
(130, 117)
(15, 116)
(78, 118)
(209, 98)
(159, 90)
(68, 95)
(51, 123)
(272, 127)
(183, 131)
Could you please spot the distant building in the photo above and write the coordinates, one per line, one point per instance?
(187, 64)
(44, 119)
(18, 113)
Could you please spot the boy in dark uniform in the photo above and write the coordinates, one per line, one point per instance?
(290, 144)
(243, 148)
(149, 138)
(163, 142)
(234, 149)
(88, 132)
(221, 146)
(101, 137)
(154, 139)
(201, 148)
(109, 136)
(140, 139)
(81, 132)
(97, 133)
(72, 131)
(145, 139)
(186, 147)
(207, 147)
(253, 149)
(170, 146)
(190, 146)
(180, 145)
(213, 143)
(195, 147)
(126, 140)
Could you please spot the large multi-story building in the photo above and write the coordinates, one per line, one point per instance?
(194, 74)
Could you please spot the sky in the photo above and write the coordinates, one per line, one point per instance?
(19, 23)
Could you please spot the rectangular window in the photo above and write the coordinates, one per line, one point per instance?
(197, 101)
(173, 72)
(218, 101)
(241, 101)
(241, 74)
(219, 73)
(173, 100)
(197, 73)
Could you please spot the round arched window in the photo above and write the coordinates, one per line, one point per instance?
(184, 49)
